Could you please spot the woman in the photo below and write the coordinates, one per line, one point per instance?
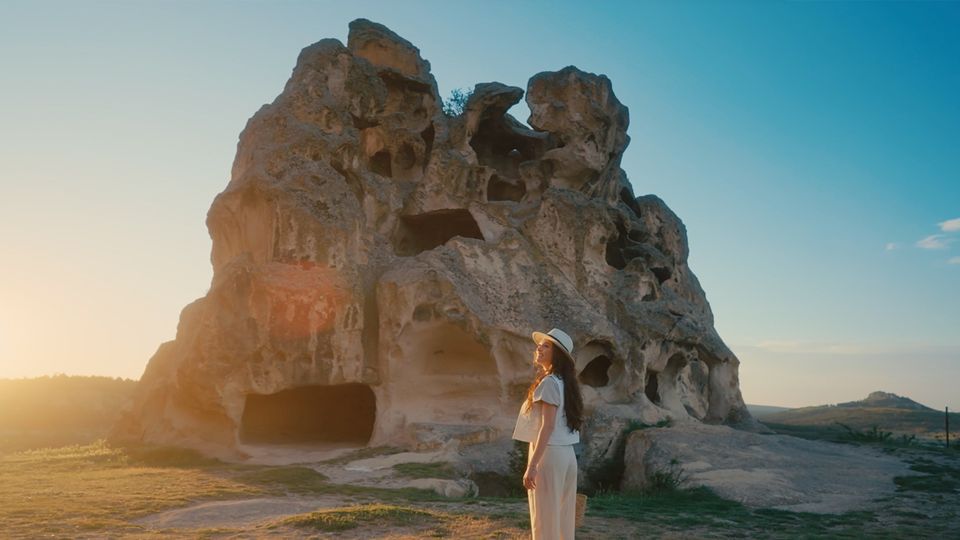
(550, 420)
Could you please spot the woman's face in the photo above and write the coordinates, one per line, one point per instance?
(544, 356)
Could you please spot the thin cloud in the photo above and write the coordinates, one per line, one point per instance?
(848, 348)
(950, 225)
(892, 246)
(934, 241)
(808, 347)
(954, 260)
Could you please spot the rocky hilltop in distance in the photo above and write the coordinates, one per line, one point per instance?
(379, 266)
(883, 410)
(886, 399)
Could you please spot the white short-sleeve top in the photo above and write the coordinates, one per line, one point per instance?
(549, 390)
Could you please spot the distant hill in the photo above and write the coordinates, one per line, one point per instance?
(887, 400)
(759, 411)
(889, 412)
(59, 410)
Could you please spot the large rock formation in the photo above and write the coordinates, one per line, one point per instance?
(379, 266)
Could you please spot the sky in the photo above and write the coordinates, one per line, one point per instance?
(810, 148)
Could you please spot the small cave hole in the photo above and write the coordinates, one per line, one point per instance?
(406, 157)
(422, 232)
(427, 135)
(614, 254)
(637, 236)
(596, 373)
(342, 413)
(662, 273)
(624, 246)
(626, 196)
(652, 387)
(499, 189)
(363, 123)
(616, 246)
(423, 312)
(503, 148)
(380, 164)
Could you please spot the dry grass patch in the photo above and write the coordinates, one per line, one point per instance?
(402, 522)
(78, 489)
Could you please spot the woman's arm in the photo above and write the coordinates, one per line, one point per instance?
(548, 419)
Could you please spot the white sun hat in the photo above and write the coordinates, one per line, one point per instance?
(558, 337)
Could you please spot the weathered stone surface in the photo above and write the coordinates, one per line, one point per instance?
(379, 266)
(453, 489)
(763, 470)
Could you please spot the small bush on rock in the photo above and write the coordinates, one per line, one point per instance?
(455, 104)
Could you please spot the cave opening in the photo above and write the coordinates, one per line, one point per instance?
(380, 163)
(617, 250)
(502, 148)
(427, 135)
(596, 373)
(422, 232)
(504, 145)
(627, 198)
(502, 189)
(406, 156)
(652, 387)
(342, 413)
(662, 273)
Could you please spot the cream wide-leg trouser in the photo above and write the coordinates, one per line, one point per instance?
(553, 503)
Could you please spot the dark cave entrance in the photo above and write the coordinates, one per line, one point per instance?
(418, 233)
(342, 413)
(596, 373)
(652, 386)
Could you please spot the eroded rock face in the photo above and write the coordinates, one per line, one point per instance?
(379, 266)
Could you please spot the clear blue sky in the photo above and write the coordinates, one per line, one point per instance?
(811, 149)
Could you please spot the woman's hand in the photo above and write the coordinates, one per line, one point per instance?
(530, 477)
(547, 418)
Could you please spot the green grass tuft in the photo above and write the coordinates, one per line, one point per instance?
(938, 478)
(351, 517)
(701, 508)
(168, 456)
(668, 480)
(299, 480)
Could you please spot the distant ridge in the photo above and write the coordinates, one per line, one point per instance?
(762, 410)
(887, 400)
(53, 411)
(885, 410)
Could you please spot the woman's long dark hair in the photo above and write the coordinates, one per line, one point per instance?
(563, 367)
